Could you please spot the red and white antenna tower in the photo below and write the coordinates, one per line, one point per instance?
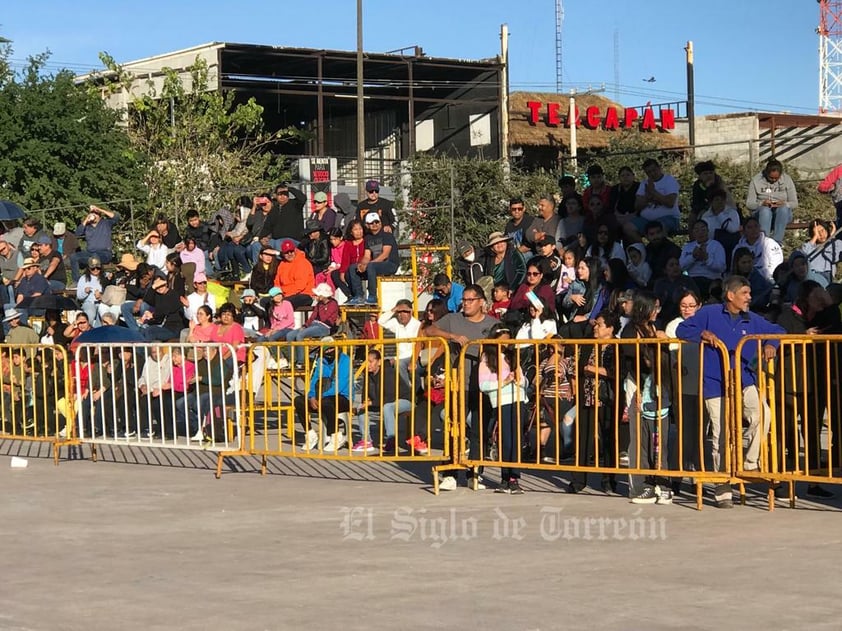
(830, 57)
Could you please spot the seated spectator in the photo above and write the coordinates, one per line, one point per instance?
(623, 196)
(191, 253)
(168, 232)
(316, 248)
(382, 207)
(468, 269)
(546, 223)
(502, 261)
(323, 213)
(598, 187)
(199, 231)
(18, 331)
(535, 284)
(323, 320)
(230, 332)
(585, 294)
(295, 275)
(89, 289)
(518, 227)
(401, 322)
(669, 288)
(772, 197)
(203, 329)
(32, 232)
(198, 297)
(703, 259)
(657, 200)
(231, 252)
(165, 318)
(353, 251)
(386, 395)
(638, 268)
(253, 314)
(381, 258)
(567, 187)
(51, 264)
(572, 225)
(761, 287)
(501, 299)
(707, 182)
(567, 271)
(767, 252)
(334, 269)
(263, 273)
(823, 253)
(720, 216)
(136, 287)
(154, 248)
(331, 392)
(281, 317)
(659, 249)
(448, 291)
(96, 229)
(8, 268)
(799, 270)
(540, 324)
(64, 242)
(606, 245)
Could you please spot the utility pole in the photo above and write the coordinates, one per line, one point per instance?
(691, 97)
(360, 107)
(559, 21)
(504, 95)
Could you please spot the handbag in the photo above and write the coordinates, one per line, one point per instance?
(113, 296)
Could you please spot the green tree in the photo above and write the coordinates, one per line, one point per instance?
(203, 148)
(59, 144)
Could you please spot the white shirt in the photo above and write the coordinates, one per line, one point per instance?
(728, 220)
(667, 185)
(196, 300)
(389, 322)
(156, 256)
(712, 267)
(156, 372)
(767, 254)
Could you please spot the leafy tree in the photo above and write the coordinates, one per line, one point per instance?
(59, 144)
(203, 148)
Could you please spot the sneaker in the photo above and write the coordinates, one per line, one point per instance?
(246, 278)
(417, 445)
(371, 300)
(364, 446)
(336, 442)
(28, 424)
(283, 363)
(62, 432)
(272, 364)
(814, 490)
(514, 487)
(198, 436)
(649, 495)
(353, 302)
(447, 483)
(503, 488)
(126, 435)
(311, 441)
(299, 367)
(476, 484)
(664, 495)
(389, 447)
(624, 459)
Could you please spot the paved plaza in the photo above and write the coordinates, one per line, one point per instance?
(148, 539)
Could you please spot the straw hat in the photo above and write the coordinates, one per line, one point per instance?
(496, 237)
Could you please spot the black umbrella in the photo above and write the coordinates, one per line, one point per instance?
(108, 334)
(10, 210)
(49, 301)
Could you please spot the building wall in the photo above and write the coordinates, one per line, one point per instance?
(729, 138)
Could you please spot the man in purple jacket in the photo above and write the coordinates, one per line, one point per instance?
(729, 323)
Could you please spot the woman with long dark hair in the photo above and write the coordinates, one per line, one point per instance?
(582, 297)
(500, 378)
(647, 380)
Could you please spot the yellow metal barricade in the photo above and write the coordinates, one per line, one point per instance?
(601, 407)
(36, 398)
(352, 400)
(789, 412)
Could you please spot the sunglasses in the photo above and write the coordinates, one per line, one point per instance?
(282, 193)
(533, 273)
(96, 267)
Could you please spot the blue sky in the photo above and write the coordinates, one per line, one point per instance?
(749, 55)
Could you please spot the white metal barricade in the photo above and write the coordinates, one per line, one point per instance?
(159, 394)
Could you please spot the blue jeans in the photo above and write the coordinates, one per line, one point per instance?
(773, 221)
(274, 336)
(77, 259)
(390, 415)
(128, 316)
(234, 254)
(372, 271)
(315, 330)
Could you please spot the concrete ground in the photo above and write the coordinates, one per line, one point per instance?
(148, 539)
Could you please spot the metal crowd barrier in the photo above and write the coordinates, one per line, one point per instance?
(639, 414)
(36, 397)
(799, 412)
(162, 395)
(329, 401)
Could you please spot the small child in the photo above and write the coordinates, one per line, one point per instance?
(281, 317)
(254, 317)
(567, 272)
(336, 248)
(502, 295)
(639, 269)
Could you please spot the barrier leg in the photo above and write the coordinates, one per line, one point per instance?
(771, 497)
(219, 459)
(700, 490)
(742, 493)
(93, 452)
(263, 465)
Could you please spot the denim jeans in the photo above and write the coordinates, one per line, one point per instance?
(77, 259)
(315, 330)
(128, 316)
(773, 221)
(390, 415)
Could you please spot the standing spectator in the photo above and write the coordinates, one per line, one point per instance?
(323, 320)
(702, 259)
(767, 252)
(324, 214)
(657, 200)
(286, 218)
(518, 227)
(462, 328)
(96, 229)
(772, 197)
(384, 208)
(448, 291)
(9, 266)
(381, 258)
(832, 184)
(501, 379)
(403, 325)
(261, 207)
(729, 323)
(295, 275)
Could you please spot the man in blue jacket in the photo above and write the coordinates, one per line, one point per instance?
(330, 393)
(729, 323)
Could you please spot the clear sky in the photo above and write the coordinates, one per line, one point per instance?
(750, 54)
